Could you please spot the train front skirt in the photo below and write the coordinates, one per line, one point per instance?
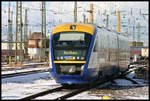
(85, 78)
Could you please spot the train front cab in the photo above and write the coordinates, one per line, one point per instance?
(70, 50)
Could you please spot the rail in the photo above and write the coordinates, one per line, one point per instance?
(73, 93)
(43, 93)
(23, 73)
(23, 66)
(82, 89)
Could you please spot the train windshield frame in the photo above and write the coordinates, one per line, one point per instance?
(71, 45)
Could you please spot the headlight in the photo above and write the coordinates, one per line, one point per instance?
(57, 58)
(61, 57)
(82, 58)
(78, 57)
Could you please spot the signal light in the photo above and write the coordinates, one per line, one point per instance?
(73, 27)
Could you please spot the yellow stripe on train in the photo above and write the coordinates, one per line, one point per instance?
(88, 28)
(69, 61)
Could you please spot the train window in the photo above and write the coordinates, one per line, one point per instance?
(70, 36)
(71, 39)
(95, 46)
(94, 50)
(74, 44)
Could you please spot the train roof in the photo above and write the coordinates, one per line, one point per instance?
(118, 33)
(88, 28)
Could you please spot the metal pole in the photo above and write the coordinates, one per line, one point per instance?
(138, 38)
(75, 11)
(9, 24)
(25, 34)
(16, 31)
(118, 22)
(127, 32)
(83, 18)
(86, 20)
(44, 14)
(11, 38)
(107, 20)
(91, 13)
(21, 55)
(131, 11)
(42, 35)
(139, 29)
(9, 31)
(133, 33)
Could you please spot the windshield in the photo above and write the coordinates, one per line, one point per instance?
(71, 45)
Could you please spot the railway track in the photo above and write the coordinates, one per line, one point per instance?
(23, 73)
(24, 66)
(70, 94)
(82, 89)
(43, 93)
(140, 62)
(86, 88)
(135, 66)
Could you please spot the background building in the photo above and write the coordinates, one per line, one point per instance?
(35, 43)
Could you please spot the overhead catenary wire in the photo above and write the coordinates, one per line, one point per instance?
(69, 12)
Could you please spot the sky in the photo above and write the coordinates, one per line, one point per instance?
(61, 12)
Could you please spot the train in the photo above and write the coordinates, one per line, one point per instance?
(82, 53)
(6, 53)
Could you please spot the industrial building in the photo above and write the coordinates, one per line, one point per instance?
(137, 50)
(35, 43)
(33, 47)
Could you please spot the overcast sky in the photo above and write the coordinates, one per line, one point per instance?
(60, 12)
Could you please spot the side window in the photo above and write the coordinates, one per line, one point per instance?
(95, 46)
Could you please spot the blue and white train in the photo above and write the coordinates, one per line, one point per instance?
(81, 53)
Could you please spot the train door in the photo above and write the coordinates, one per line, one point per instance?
(103, 53)
(93, 61)
(113, 53)
(121, 53)
(93, 57)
